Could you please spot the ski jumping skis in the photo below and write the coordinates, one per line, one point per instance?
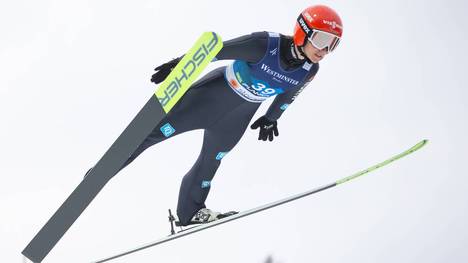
(159, 104)
(198, 228)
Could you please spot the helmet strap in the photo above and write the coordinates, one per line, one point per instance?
(298, 52)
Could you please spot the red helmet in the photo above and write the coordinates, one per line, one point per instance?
(319, 18)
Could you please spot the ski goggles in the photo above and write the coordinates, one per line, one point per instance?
(324, 40)
(319, 39)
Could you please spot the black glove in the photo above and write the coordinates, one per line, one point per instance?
(267, 128)
(163, 71)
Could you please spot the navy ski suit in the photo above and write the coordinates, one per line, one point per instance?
(223, 102)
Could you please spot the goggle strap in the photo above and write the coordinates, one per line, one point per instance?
(303, 24)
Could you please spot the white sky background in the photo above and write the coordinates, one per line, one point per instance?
(74, 73)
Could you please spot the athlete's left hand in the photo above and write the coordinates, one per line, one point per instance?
(268, 128)
(163, 70)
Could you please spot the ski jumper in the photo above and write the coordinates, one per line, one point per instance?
(223, 102)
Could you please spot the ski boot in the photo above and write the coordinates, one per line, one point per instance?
(206, 215)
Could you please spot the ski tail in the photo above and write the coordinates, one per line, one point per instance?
(160, 103)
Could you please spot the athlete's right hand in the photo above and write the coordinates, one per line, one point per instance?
(268, 128)
(163, 71)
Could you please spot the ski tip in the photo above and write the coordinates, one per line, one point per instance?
(419, 145)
